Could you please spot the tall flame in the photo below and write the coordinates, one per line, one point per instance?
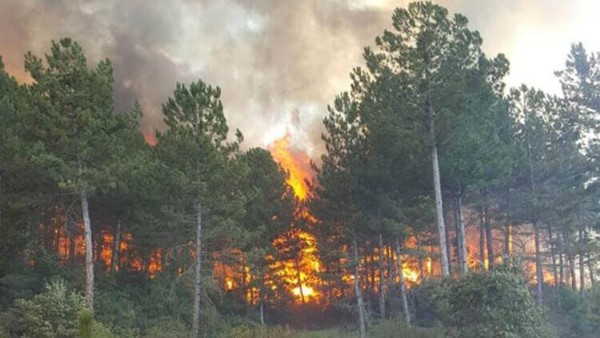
(301, 274)
(295, 162)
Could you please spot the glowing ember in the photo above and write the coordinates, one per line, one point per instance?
(307, 292)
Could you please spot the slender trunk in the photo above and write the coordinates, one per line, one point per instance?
(591, 264)
(116, 248)
(536, 231)
(538, 264)
(197, 276)
(449, 246)
(508, 234)
(299, 276)
(89, 260)
(488, 230)
(421, 253)
(460, 230)
(358, 292)
(391, 269)
(570, 260)
(482, 258)
(262, 312)
(438, 194)
(581, 264)
(381, 279)
(402, 286)
(561, 264)
(72, 233)
(553, 255)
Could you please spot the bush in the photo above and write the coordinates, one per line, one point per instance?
(393, 328)
(167, 328)
(572, 314)
(53, 313)
(493, 304)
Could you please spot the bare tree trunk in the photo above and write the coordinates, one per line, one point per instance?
(262, 312)
(591, 265)
(89, 260)
(449, 244)
(482, 252)
(381, 278)
(460, 230)
(421, 253)
(197, 276)
(508, 234)
(538, 264)
(570, 260)
(391, 268)
(299, 276)
(488, 230)
(402, 286)
(437, 186)
(358, 292)
(561, 271)
(581, 264)
(553, 255)
(116, 248)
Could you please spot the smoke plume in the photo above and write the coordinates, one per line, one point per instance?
(279, 63)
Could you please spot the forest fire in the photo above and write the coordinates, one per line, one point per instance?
(300, 273)
(295, 162)
(70, 245)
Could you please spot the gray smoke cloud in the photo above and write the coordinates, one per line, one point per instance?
(279, 63)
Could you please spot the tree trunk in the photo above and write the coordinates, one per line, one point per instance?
(460, 230)
(482, 252)
(553, 255)
(449, 244)
(381, 279)
(402, 286)
(116, 248)
(489, 238)
(421, 253)
(438, 194)
(262, 312)
(197, 276)
(536, 231)
(89, 260)
(570, 260)
(591, 265)
(358, 292)
(581, 264)
(508, 234)
(559, 252)
(538, 264)
(299, 276)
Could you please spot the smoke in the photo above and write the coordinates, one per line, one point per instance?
(279, 63)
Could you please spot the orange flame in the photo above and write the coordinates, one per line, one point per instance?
(299, 275)
(295, 162)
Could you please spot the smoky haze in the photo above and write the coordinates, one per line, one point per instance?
(279, 63)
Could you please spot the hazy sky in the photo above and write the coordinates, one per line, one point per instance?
(278, 62)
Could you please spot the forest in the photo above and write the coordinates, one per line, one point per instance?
(445, 204)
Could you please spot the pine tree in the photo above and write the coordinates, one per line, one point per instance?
(81, 133)
(196, 150)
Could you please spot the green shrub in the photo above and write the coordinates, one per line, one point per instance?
(53, 313)
(259, 331)
(392, 328)
(493, 304)
(167, 328)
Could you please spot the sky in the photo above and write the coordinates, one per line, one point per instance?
(278, 62)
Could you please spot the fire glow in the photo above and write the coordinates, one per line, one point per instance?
(302, 272)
